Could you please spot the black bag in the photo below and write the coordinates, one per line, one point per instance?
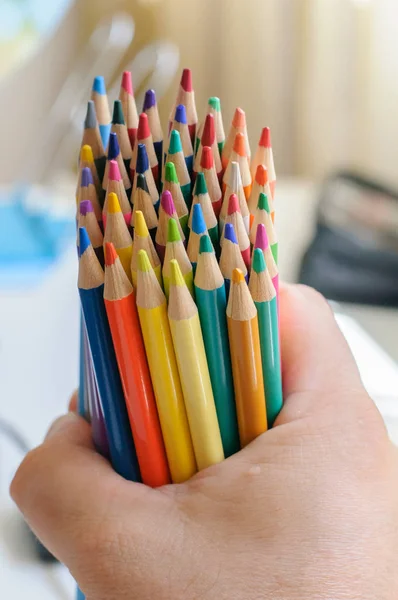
(354, 255)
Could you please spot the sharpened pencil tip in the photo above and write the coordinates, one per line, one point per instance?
(198, 221)
(207, 161)
(118, 117)
(144, 264)
(239, 119)
(86, 178)
(176, 277)
(209, 131)
(237, 276)
(142, 159)
(84, 240)
(149, 100)
(167, 203)
(186, 80)
(114, 172)
(265, 139)
(85, 207)
(113, 146)
(240, 145)
(175, 142)
(261, 237)
(99, 85)
(86, 154)
(110, 254)
(143, 131)
(261, 175)
(113, 204)
(205, 245)
(140, 226)
(262, 203)
(127, 83)
(229, 233)
(173, 233)
(200, 184)
(181, 114)
(141, 182)
(258, 263)
(170, 173)
(233, 204)
(215, 103)
(90, 121)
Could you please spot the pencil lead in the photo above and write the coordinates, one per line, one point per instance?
(240, 144)
(239, 120)
(85, 207)
(86, 178)
(143, 130)
(258, 264)
(186, 80)
(127, 83)
(229, 233)
(142, 159)
(198, 221)
(167, 203)
(265, 139)
(110, 254)
(176, 277)
(143, 262)
(91, 117)
(215, 103)
(141, 182)
(205, 245)
(261, 176)
(207, 160)
(175, 142)
(99, 85)
(86, 154)
(233, 204)
(140, 226)
(200, 184)
(113, 204)
(262, 203)
(114, 172)
(181, 114)
(261, 237)
(149, 100)
(209, 131)
(170, 173)
(118, 117)
(84, 240)
(113, 146)
(173, 234)
(237, 276)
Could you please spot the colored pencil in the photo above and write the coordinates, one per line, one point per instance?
(87, 191)
(198, 229)
(186, 96)
(194, 372)
(214, 108)
(119, 127)
(264, 156)
(116, 186)
(175, 155)
(208, 138)
(238, 125)
(92, 138)
(166, 211)
(150, 108)
(129, 347)
(100, 99)
(87, 219)
(231, 256)
(142, 167)
(260, 186)
(130, 113)
(144, 136)
(264, 296)
(201, 196)
(212, 303)
(143, 241)
(244, 342)
(180, 124)
(116, 232)
(262, 242)
(143, 202)
(263, 215)
(114, 154)
(175, 249)
(213, 185)
(234, 217)
(91, 290)
(152, 311)
(87, 160)
(172, 184)
(239, 155)
(234, 186)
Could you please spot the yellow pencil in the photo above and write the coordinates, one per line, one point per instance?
(194, 371)
(116, 231)
(176, 249)
(143, 241)
(152, 311)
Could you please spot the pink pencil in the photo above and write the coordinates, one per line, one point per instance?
(115, 184)
(263, 243)
(167, 211)
(130, 113)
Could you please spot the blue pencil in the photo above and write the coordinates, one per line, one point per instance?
(91, 289)
(100, 99)
(151, 109)
(181, 125)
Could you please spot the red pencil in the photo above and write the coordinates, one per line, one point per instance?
(208, 168)
(208, 138)
(129, 107)
(264, 156)
(186, 96)
(238, 125)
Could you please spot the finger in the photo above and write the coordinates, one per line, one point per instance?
(70, 495)
(315, 355)
(73, 402)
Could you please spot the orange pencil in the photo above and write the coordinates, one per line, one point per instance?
(115, 185)
(238, 125)
(260, 186)
(264, 156)
(244, 342)
(208, 168)
(239, 155)
(186, 96)
(123, 320)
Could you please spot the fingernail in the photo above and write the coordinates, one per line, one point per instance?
(59, 424)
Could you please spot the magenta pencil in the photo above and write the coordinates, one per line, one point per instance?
(167, 211)
(263, 243)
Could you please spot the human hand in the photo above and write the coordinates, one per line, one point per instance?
(308, 511)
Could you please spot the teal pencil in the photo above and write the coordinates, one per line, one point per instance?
(176, 156)
(211, 301)
(172, 184)
(198, 230)
(264, 296)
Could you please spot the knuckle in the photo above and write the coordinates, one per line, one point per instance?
(26, 472)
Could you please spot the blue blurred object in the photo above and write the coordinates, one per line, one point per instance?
(32, 239)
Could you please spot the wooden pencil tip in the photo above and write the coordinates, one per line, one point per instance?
(127, 83)
(186, 80)
(86, 154)
(229, 233)
(85, 207)
(200, 184)
(143, 262)
(114, 172)
(142, 164)
(149, 100)
(233, 204)
(143, 131)
(86, 178)
(117, 116)
(170, 173)
(240, 144)
(167, 203)
(261, 237)
(176, 277)
(261, 175)
(198, 221)
(258, 263)
(113, 146)
(206, 161)
(90, 121)
(262, 203)
(173, 233)
(99, 85)
(113, 204)
(181, 114)
(239, 119)
(209, 131)
(265, 139)
(110, 254)
(140, 226)
(84, 240)
(237, 276)
(175, 142)
(215, 103)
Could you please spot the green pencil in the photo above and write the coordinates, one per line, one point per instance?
(172, 184)
(201, 196)
(176, 156)
(211, 302)
(264, 296)
(263, 215)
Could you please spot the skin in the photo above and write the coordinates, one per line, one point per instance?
(308, 510)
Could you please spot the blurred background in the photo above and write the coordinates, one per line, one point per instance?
(323, 74)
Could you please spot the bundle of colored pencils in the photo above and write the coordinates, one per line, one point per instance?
(178, 280)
